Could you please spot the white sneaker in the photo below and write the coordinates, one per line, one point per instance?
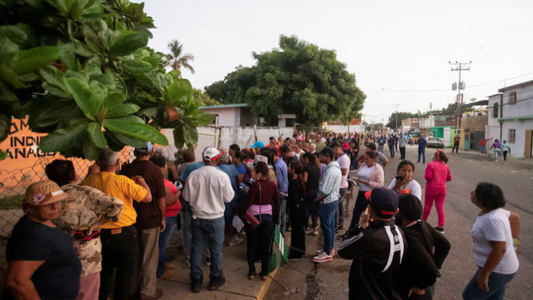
(315, 231)
(323, 258)
(320, 252)
(308, 231)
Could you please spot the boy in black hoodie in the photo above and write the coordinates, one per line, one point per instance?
(377, 247)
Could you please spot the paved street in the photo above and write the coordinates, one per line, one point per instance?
(330, 281)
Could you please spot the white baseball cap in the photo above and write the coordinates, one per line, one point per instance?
(211, 153)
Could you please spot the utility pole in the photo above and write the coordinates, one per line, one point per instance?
(396, 106)
(460, 86)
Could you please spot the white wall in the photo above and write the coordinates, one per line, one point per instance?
(343, 129)
(517, 148)
(446, 138)
(226, 116)
(244, 136)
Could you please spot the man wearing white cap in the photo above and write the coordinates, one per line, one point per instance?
(207, 189)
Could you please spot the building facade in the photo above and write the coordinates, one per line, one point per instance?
(511, 118)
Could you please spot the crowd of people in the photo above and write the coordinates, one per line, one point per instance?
(120, 219)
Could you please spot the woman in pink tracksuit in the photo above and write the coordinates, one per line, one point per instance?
(437, 174)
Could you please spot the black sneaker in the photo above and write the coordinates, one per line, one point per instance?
(196, 285)
(440, 229)
(216, 283)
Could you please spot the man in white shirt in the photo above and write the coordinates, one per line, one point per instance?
(207, 189)
(344, 163)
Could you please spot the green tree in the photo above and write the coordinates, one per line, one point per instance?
(176, 58)
(298, 78)
(401, 116)
(76, 67)
(203, 99)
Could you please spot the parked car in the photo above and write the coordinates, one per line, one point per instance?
(435, 142)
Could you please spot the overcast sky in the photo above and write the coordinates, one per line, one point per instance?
(402, 46)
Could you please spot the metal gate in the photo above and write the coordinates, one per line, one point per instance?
(477, 136)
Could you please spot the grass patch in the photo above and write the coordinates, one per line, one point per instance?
(12, 202)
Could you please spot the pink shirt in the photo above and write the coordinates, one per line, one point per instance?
(174, 209)
(437, 174)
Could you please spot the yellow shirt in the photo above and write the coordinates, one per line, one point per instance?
(120, 187)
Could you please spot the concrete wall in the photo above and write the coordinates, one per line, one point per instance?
(472, 123)
(226, 116)
(517, 148)
(427, 122)
(244, 136)
(343, 129)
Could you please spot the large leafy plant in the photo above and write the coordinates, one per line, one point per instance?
(82, 72)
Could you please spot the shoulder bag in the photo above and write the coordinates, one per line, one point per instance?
(250, 219)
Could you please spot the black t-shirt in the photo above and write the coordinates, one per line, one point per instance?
(148, 214)
(313, 177)
(59, 277)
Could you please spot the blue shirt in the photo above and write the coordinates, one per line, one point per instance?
(190, 168)
(283, 179)
(422, 143)
(232, 173)
(241, 169)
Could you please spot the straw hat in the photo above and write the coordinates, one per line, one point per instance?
(44, 193)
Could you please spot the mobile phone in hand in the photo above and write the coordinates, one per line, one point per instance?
(399, 178)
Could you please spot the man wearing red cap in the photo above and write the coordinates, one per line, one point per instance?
(207, 189)
(376, 246)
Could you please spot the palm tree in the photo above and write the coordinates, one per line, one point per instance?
(176, 59)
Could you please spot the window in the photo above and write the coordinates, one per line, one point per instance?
(512, 98)
(512, 135)
(495, 111)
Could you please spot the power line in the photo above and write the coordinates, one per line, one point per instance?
(445, 90)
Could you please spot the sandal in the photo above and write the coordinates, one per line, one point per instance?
(251, 276)
(264, 277)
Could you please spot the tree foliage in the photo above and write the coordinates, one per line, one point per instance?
(298, 78)
(203, 99)
(176, 58)
(82, 72)
(401, 116)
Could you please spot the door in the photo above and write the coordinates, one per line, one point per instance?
(467, 141)
(527, 143)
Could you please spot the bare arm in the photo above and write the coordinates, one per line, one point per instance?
(516, 225)
(169, 199)
(140, 181)
(344, 172)
(306, 175)
(162, 203)
(18, 279)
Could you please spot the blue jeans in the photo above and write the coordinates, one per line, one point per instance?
(354, 162)
(496, 153)
(497, 284)
(326, 213)
(283, 215)
(212, 231)
(391, 149)
(483, 149)
(163, 241)
(423, 153)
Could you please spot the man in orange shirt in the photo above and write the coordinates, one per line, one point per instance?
(119, 239)
(483, 145)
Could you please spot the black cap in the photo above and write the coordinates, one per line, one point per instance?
(384, 202)
(327, 151)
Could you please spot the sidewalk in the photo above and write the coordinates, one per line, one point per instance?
(284, 280)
